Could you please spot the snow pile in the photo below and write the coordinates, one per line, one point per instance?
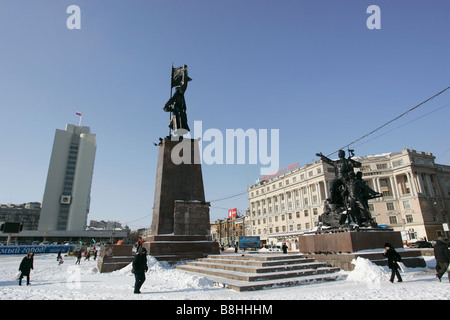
(164, 282)
(366, 272)
(166, 275)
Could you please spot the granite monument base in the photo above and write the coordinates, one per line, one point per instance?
(114, 257)
(180, 225)
(174, 248)
(339, 249)
(190, 239)
(348, 241)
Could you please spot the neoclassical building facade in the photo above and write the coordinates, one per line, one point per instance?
(416, 197)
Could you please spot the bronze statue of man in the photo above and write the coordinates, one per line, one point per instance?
(358, 192)
(342, 168)
(177, 103)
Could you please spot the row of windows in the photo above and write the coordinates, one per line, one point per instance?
(282, 217)
(290, 206)
(63, 215)
(287, 181)
(289, 228)
(68, 185)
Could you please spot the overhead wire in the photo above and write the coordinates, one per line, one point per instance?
(390, 121)
(229, 197)
(418, 118)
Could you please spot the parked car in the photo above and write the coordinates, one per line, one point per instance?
(421, 244)
(446, 241)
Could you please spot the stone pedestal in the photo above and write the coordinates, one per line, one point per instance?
(339, 249)
(349, 241)
(114, 257)
(180, 225)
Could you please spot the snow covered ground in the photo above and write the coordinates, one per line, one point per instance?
(50, 281)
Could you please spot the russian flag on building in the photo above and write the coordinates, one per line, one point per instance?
(78, 114)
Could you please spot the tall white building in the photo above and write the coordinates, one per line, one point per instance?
(66, 201)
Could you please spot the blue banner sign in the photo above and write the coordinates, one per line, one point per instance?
(35, 249)
(249, 242)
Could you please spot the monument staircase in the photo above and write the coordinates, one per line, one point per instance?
(256, 271)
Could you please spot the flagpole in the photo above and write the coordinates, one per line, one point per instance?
(81, 117)
(170, 113)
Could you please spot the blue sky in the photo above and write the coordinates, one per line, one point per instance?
(311, 69)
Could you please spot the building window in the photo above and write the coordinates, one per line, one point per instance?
(397, 163)
(390, 206)
(393, 220)
(409, 218)
(406, 204)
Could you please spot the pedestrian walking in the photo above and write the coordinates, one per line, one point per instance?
(442, 256)
(87, 255)
(393, 258)
(284, 247)
(25, 267)
(78, 255)
(95, 254)
(58, 257)
(139, 268)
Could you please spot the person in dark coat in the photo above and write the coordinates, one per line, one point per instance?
(78, 255)
(284, 247)
(139, 269)
(393, 258)
(442, 256)
(25, 267)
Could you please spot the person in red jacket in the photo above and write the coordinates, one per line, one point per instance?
(139, 244)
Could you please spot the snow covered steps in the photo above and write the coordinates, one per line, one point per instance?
(259, 271)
